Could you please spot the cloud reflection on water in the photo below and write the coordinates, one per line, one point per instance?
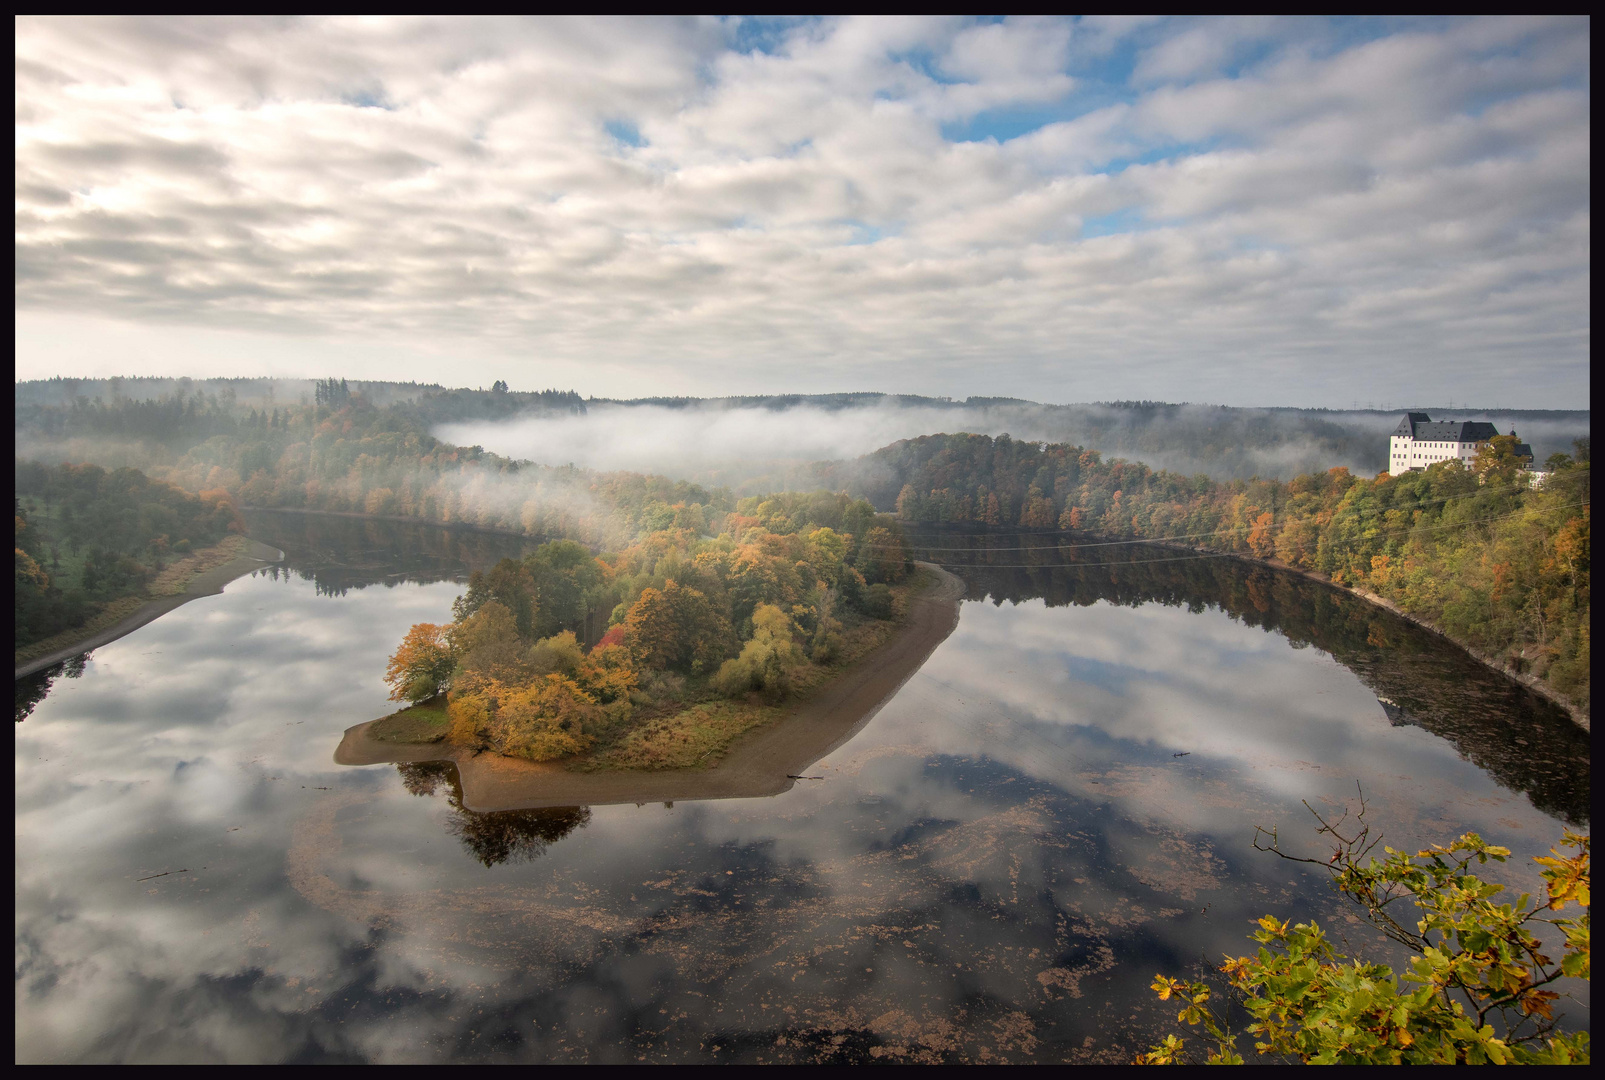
(992, 869)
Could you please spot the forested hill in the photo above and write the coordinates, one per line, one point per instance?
(341, 452)
(138, 401)
(86, 537)
(1494, 565)
(1224, 442)
(1475, 552)
(779, 444)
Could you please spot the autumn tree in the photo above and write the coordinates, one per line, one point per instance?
(826, 550)
(607, 675)
(559, 654)
(1498, 461)
(676, 629)
(563, 576)
(768, 662)
(544, 719)
(1477, 962)
(1261, 541)
(486, 645)
(421, 667)
(539, 720)
(885, 556)
(762, 570)
(508, 583)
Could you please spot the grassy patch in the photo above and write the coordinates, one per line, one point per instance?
(425, 722)
(689, 738)
(176, 578)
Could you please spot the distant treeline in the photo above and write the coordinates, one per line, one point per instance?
(85, 536)
(1475, 552)
(347, 454)
(268, 393)
(1496, 566)
(1222, 442)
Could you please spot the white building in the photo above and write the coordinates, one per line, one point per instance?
(1420, 441)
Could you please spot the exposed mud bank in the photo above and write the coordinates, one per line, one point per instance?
(207, 583)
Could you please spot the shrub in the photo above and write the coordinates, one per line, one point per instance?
(877, 602)
(1309, 1002)
(559, 654)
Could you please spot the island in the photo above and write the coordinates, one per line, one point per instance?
(728, 664)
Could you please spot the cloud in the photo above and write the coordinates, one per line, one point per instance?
(1266, 212)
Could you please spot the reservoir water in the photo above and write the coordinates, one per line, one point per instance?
(1060, 804)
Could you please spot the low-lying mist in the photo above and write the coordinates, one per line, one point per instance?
(753, 447)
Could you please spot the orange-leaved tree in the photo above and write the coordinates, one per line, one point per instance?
(421, 667)
(676, 629)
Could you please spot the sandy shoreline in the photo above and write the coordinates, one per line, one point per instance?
(207, 583)
(759, 763)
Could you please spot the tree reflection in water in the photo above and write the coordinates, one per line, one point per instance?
(502, 836)
(1419, 677)
(32, 689)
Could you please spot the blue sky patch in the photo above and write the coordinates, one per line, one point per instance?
(1121, 221)
(625, 132)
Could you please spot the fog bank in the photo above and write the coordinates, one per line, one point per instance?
(768, 445)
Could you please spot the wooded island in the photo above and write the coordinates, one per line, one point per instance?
(707, 635)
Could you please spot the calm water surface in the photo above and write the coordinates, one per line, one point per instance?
(992, 870)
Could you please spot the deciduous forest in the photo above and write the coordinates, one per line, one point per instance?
(85, 536)
(1476, 553)
(713, 627)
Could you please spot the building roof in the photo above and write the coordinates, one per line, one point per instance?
(1411, 419)
(1421, 426)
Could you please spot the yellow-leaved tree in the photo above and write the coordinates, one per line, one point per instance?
(1477, 990)
(421, 667)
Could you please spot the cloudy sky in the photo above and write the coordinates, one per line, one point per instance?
(1249, 212)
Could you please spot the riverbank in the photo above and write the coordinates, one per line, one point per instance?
(1579, 716)
(201, 574)
(1536, 685)
(765, 761)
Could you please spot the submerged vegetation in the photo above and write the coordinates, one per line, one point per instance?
(704, 634)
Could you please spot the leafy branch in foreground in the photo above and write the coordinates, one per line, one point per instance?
(1476, 962)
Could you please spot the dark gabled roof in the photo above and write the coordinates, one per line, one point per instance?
(1408, 424)
(1456, 431)
(1420, 426)
(1524, 451)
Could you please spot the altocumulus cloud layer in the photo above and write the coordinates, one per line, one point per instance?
(1246, 211)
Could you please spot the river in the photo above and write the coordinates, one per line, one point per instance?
(1060, 804)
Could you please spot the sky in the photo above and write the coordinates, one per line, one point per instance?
(1235, 211)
